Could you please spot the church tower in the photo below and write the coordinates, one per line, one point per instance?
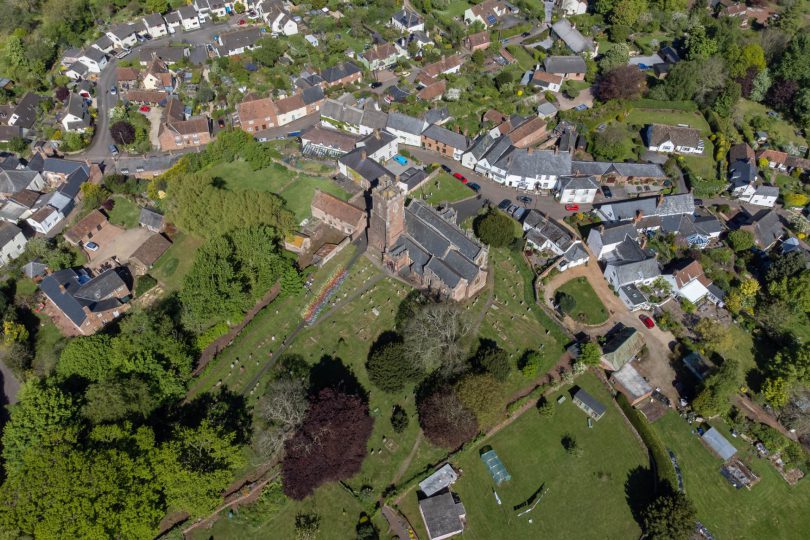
(387, 220)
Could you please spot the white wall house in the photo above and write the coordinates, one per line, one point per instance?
(407, 129)
(155, 25)
(94, 59)
(578, 189)
(12, 242)
(603, 242)
(673, 139)
(123, 36)
(45, 219)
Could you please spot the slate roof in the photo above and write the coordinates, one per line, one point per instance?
(590, 401)
(442, 515)
(481, 145)
(633, 294)
(149, 218)
(166, 54)
(634, 271)
(572, 37)
(601, 168)
(530, 164)
(364, 166)
(440, 232)
(742, 172)
(16, 180)
(412, 177)
(546, 109)
(153, 20)
(342, 113)
(26, 110)
(445, 136)
(565, 64)
(8, 232)
(442, 66)
(613, 235)
(94, 54)
(405, 123)
(407, 18)
(578, 182)
(72, 296)
(664, 205)
(436, 115)
(330, 138)
(544, 229)
(78, 68)
(768, 228)
(240, 38)
(767, 191)
(104, 42)
(341, 71)
(442, 478)
(576, 252)
(34, 269)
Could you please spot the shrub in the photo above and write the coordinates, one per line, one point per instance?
(399, 419)
(494, 228)
(145, 283)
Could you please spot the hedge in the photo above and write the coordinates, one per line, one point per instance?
(663, 465)
(688, 106)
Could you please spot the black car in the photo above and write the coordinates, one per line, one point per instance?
(504, 204)
(698, 202)
(445, 168)
(606, 191)
(524, 199)
(525, 34)
(473, 186)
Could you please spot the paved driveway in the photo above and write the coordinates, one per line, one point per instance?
(122, 246)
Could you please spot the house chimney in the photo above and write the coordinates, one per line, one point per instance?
(639, 216)
(660, 199)
(363, 153)
(602, 228)
(377, 134)
(529, 150)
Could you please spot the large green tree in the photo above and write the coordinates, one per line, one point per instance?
(670, 517)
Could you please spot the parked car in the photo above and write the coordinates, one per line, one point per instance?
(113, 149)
(572, 207)
(400, 159)
(376, 84)
(113, 90)
(526, 34)
(473, 186)
(91, 246)
(581, 107)
(144, 108)
(524, 199)
(648, 322)
(698, 202)
(241, 22)
(511, 209)
(519, 213)
(445, 168)
(607, 193)
(504, 204)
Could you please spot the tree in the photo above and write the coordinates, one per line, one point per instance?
(445, 420)
(123, 132)
(530, 364)
(728, 98)
(390, 368)
(627, 12)
(494, 228)
(776, 392)
(713, 399)
(781, 94)
(282, 411)
(740, 240)
(571, 447)
(671, 516)
(492, 359)
(399, 419)
(565, 302)
(86, 357)
(478, 57)
(617, 55)
(329, 445)
(795, 62)
(698, 44)
(760, 85)
(590, 354)
(714, 335)
(796, 200)
(126, 398)
(479, 392)
(93, 195)
(434, 337)
(157, 6)
(611, 143)
(623, 82)
(786, 265)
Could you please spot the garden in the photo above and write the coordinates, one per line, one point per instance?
(581, 302)
(443, 189)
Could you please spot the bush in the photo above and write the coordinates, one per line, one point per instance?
(566, 302)
(740, 240)
(399, 419)
(390, 368)
(530, 364)
(493, 360)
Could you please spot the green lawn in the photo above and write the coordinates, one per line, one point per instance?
(125, 213)
(771, 509)
(456, 8)
(584, 496)
(589, 308)
(48, 340)
(443, 188)
(780, 131)
(523, 57)
(296, 189)
(642, 117)
(172, 266)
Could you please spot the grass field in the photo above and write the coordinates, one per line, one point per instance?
(455, 8)
(172, 266)
(125, 213)
(443, 188)
(48, 340)
(771, 509)
(642, 117)
(780, 131)
(584, 496)
(296, 189)
(589, 308)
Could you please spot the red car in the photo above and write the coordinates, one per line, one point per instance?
(572, 207)
(648, 322)
(241, 22)
(144, 108)
(458, 175)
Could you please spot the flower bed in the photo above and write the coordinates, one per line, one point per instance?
(314, 308)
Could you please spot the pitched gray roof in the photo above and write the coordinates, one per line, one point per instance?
(150, 218)
(8, 232)
(612, 235)
(599, 168)
(408, 124)
(407, 18)
(436, 115)
(665, 205)
(481, 145)
(72, 296)
(340, 71)
(767, 191)
(634, 271)
(768, 229)
(576, 252)
(364, 166)
(240, 38)
(439, 480)
(449, 233)
(590, 401)
(442, 515)
(153, 20)
(94, 54)
(26, 110)
(578, 182)
(572, 37)
(526, 163)
(445, 136)
(16, 180)
(565, 64)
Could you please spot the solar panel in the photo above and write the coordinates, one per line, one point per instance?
(491, 19)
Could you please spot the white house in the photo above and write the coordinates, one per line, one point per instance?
(673, 139)
(124, 35)
(689, 282)
(380, 146)
(77, 71)
(239, 41)
(185, 18)
(77, 118)
(578, 189)
(155, 25)
(407, 21)
(637, 272)
(45, 219)
(524, 168)
(487, 13)
(407, 129)
(277, 18)
(94, 59)
(604, 241)
(544, 234)
(572, 7)
(760, 195)
(207, 8)
(12, 242)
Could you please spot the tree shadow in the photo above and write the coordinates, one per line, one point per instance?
(331, 372)
(639, 491)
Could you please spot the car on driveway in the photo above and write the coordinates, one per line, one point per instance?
(511, 209)
(698, 202)
(376, 84)
(241, 22)
(572, 207)
(400, 159)
(648, 322)
(581, 107)
(524, 199)
(91, 246)
(473, 186)
(606, 192)
(113, 149)
(144, 108)
(504, 204)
